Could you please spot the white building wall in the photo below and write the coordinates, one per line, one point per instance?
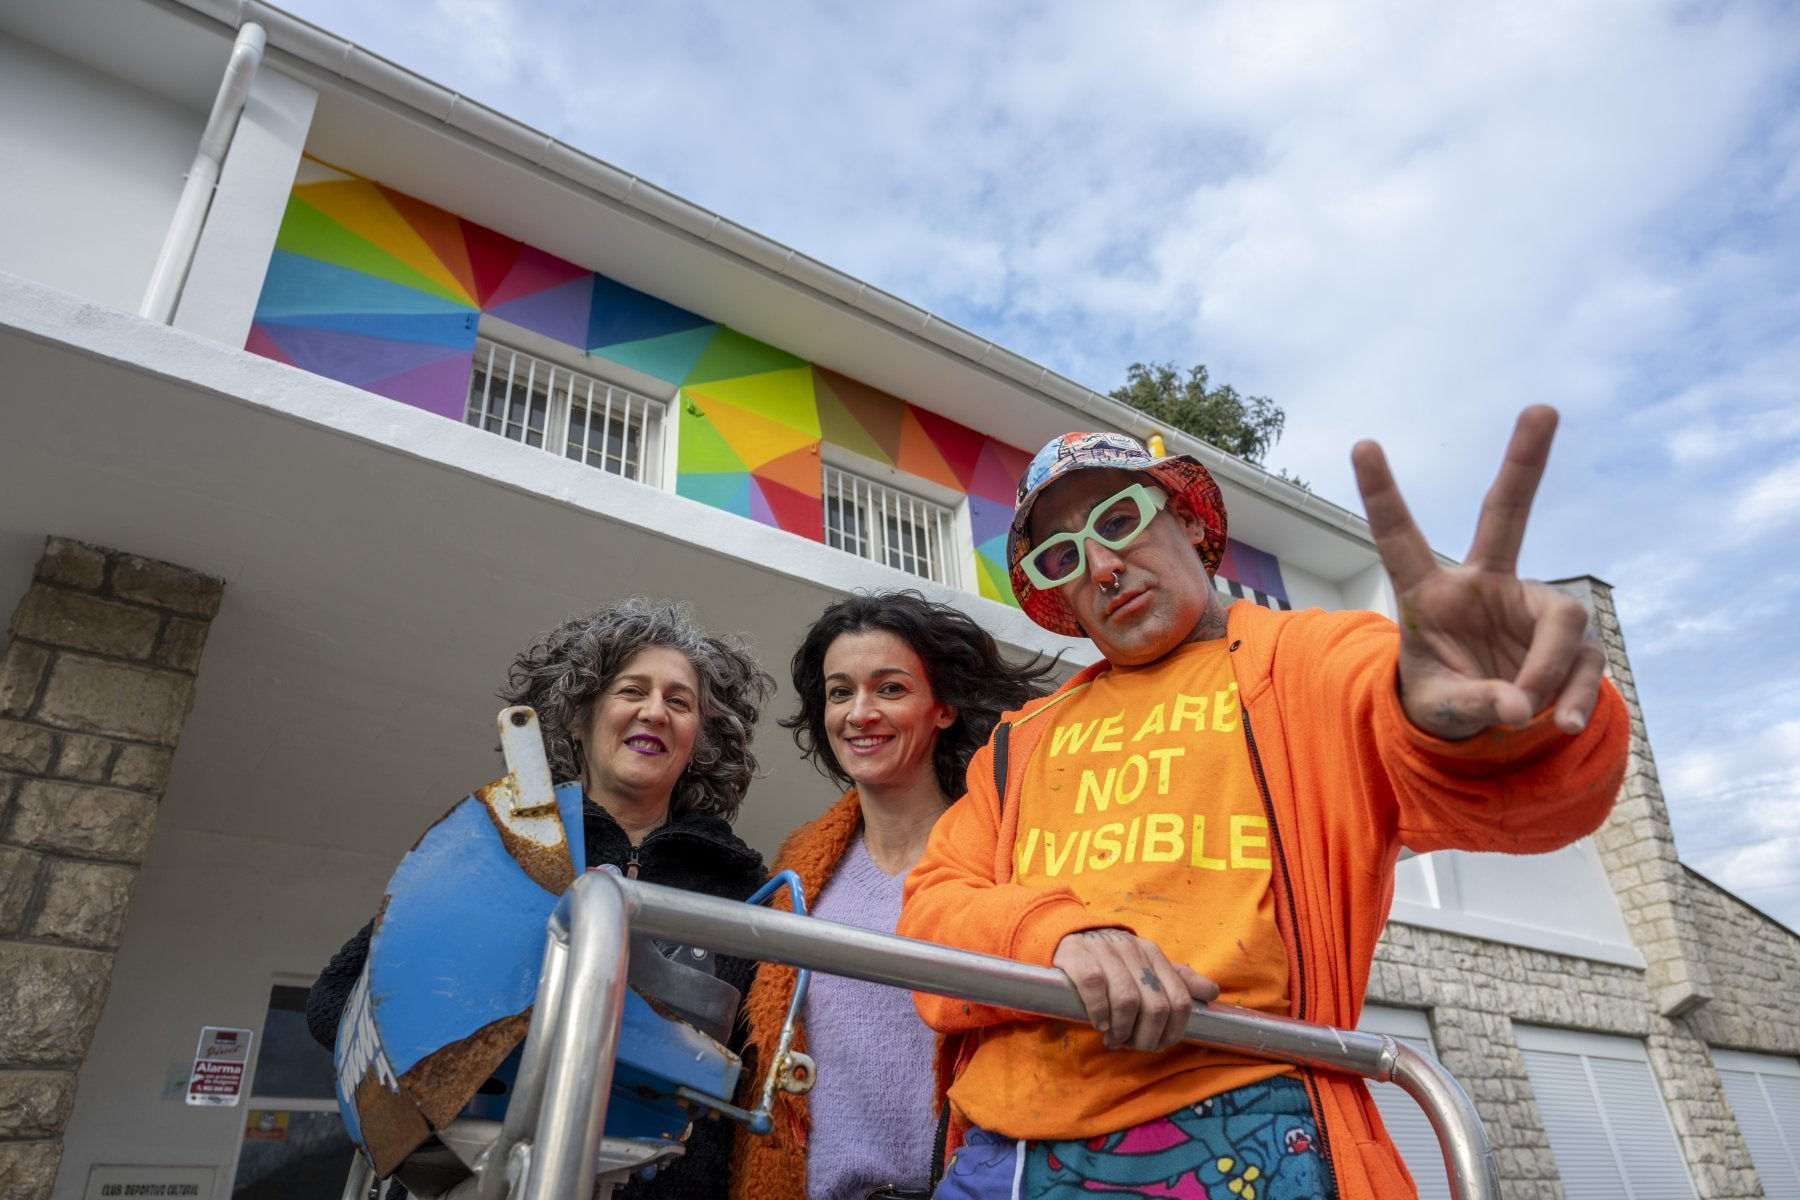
(232, 258)
(1369, 588)
(216, 920)
(92, 167)
(1561, 902)
(1306, 590)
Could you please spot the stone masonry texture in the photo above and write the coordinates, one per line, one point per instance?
(1717, 973)
(1761, 958)
(28, 1168)
(35, 1103)
(1638, 848)
(96, 682)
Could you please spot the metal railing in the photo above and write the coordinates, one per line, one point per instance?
(551, 1135)
(549, 1144)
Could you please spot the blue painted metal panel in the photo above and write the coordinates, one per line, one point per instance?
(458, 947)
(462, 938)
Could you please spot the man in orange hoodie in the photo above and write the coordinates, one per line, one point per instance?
(1216, 809)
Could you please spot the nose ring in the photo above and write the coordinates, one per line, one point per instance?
(1112, 589)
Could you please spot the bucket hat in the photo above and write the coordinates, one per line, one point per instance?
(1189, 484)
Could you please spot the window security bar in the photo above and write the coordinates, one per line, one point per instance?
(543, 404)
(885, 525)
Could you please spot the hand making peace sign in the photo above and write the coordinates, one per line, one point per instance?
(1478, 645)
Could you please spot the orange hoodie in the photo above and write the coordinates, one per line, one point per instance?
(1348, 782)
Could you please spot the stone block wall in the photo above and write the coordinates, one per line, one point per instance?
(1638, 846)
(1760, 1010)
(1473, 991)
(95, 686)
(1717, 973)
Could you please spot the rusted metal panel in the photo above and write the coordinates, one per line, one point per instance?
(455, 953)
(453, 967)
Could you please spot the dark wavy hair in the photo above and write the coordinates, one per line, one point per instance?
(962, 665)
(566, 670)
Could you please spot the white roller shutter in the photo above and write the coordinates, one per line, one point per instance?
(1608, 1127)
(1405, 1120)
(1765, 1097)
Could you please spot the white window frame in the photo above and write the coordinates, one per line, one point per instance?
(1764, 1091)
(947, 509)
(546, 370)
(1407, 1125)
(1604, 1113)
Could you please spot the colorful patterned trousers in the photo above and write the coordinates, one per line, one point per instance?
(1256, 1143)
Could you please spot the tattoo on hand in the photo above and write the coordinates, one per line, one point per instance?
(1149, 980)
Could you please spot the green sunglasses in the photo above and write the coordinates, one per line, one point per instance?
(1115, 523)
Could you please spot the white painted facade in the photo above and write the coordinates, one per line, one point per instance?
(93, 165)
(383, 564)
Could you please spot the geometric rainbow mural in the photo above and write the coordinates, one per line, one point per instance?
(377, 289)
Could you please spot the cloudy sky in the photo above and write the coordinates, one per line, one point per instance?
(1402, 220)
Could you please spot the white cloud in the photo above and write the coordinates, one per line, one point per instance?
(1772, 498)
(1764, 759)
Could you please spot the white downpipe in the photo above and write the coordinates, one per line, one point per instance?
(203, 177)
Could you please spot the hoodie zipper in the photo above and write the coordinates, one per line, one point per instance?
(1287, 895)
(1287, 883)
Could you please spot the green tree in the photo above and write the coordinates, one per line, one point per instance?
(1247, 426)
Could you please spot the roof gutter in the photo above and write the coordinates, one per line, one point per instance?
(170, 273)
(347, 61)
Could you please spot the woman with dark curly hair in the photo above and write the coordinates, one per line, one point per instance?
(654, 718)
(896, 694)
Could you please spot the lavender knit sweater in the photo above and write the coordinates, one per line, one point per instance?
(872, 1120)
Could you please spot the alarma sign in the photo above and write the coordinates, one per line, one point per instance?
(220, 1062)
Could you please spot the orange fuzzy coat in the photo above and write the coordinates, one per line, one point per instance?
(765, 1167)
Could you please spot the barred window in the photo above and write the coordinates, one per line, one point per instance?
(888, 526)
(546, 405)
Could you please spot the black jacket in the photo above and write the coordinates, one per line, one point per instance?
(697, 853)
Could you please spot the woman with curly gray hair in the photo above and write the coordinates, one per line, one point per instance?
(652, 715)
(654, 718)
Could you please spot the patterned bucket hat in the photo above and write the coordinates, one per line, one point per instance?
(1189, 485)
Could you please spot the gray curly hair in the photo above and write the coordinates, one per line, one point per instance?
(567, 669)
